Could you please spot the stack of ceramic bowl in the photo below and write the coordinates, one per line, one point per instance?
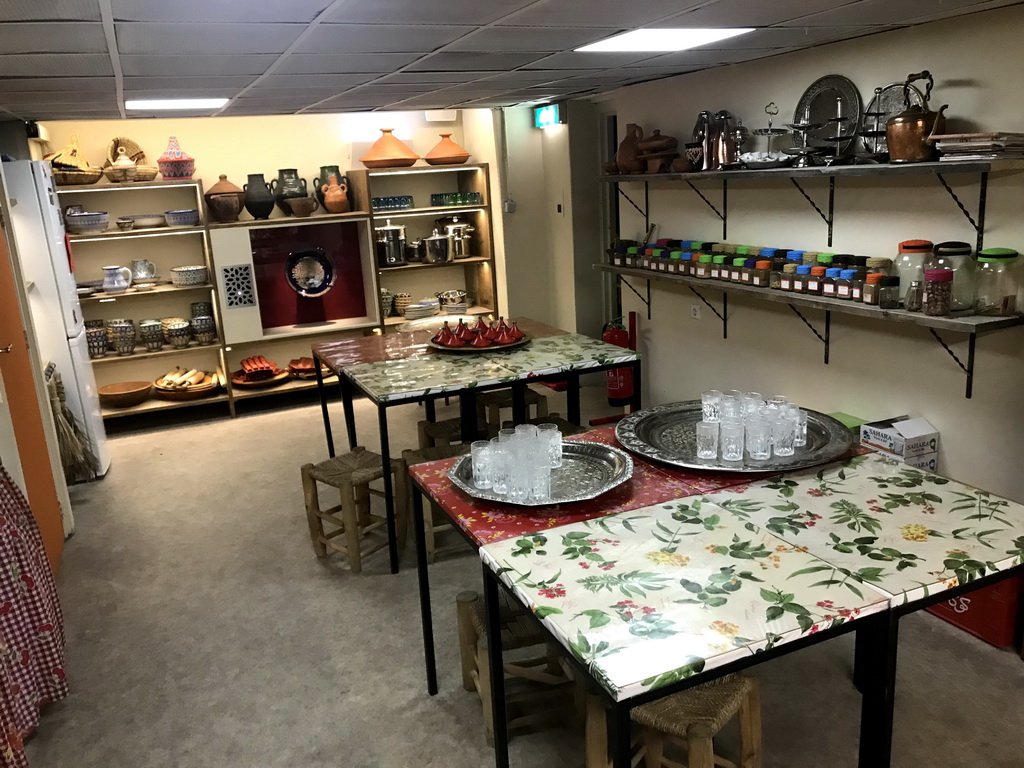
(179, 334)
(424, 308)
(121, 334)
(188, 275)
(152, 334)
(202, 309)
(402, 300)
(96, 339)
(167, 322)
(387, 302)
(203, 329)
(455, 309)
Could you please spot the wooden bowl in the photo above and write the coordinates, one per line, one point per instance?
(125, 394)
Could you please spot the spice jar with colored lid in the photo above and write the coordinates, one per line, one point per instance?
(814, 281)
(828, 282)
(760, 275)
(803, 272)
(996, 291)
(889, 292)
(878, 264)
(702, 268)
(909, 264)
(938, 291)
(788, 272)
(957, 256)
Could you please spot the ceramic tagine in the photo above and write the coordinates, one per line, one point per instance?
(175, 163)
(224, 200)
(123, 168)
(389, 152)
(447, 152)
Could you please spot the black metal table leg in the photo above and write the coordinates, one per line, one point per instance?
(467, 413)
(347, 394)
(497, 667)
(426, 615)
(572, 396)
(619, 743)
(880, 636)
(861, 660)
(322, 391)
(519, 415)
(431, 413)
(389, 489)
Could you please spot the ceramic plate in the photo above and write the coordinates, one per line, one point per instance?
(309, 273)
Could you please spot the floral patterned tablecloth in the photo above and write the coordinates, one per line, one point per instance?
(907, 532)
(651, 596)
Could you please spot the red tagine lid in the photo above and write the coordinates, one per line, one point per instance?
(444, 335)
(481, 325)
(502, 325)
(455, 341)
(481, 341)
(505, 337)
(492, 331)
(515, 332)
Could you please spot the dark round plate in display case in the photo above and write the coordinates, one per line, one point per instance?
(309, 273)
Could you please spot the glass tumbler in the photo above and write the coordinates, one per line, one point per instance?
(550, 434)
(732, 405)
(499, 466)
(800, 416)
(752, 401)
(480, 451)
(711, 404)
(783, 435)
(707, 440)
(731, 438)
(758, 438)
(527, 431)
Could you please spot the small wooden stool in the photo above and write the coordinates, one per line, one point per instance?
(431, 512)
(445, 432)
(517, 631)
(492, 402)
(351, 473)
(693, 717)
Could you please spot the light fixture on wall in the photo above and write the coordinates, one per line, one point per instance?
(660, 40)
(547, 116)
(147, 105)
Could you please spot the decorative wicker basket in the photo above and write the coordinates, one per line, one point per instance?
(66, 176)
(144, 171)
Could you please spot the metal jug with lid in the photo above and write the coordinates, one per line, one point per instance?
(704, 134)
(724, 141)
(436, 249)
(390, 245)
(458, 233)
(909, 134)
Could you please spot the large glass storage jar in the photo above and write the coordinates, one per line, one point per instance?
(957, 256)
(996, 292)
(909, 263)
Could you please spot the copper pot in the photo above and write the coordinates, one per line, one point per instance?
(909, 135)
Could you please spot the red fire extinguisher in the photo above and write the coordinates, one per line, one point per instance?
(620, 380)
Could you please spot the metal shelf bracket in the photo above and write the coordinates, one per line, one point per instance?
(967, 369)
(723, 214)
(830, 217)
(630, 201)
(723, 315)
(828, 328)
(639, 295)
(979, 223)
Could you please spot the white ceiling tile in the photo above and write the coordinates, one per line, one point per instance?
(18, 84)
(50, 10)
(145, 37)
(52, 37)
(426, 11)
(436, 78)
(574, 60)
(943, 11)
(598, 13)
(196, 65)
(875, 12)
(548, 39)
(379, 38)
(183, 91)
(56, 65)
(701, 56)
(751, 13)
(231, 83)
(344, 63)
(59, 97)
(454, 61)
(206, 11)
(337, 82)
(530, 76)
(787, 36)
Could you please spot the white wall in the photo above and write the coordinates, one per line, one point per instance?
(876, 369)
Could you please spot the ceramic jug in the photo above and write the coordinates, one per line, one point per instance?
(326, 171)
(335, 196)
(116, 279)
(259, 200)
(287, 185)
(626, 156)
(143, 269)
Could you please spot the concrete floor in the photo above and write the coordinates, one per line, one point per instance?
(203, 632)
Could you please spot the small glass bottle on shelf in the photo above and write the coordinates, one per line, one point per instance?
(857, 284)
(871, 287)
(913, 297)
(760, 275)
(717, 260)
(747, 275)
(775, 276)
(703, 267)
(889, 292)
(879, 265)
(938, 291)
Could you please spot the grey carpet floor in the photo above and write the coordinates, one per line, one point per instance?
(202, 632)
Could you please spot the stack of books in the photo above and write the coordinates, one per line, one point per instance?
(981, 146)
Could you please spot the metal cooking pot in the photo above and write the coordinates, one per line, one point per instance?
(390, 245)
(450, 297)
(436, 249)
(909, 134)
(459, 244)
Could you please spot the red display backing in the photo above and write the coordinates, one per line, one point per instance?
(279, 304)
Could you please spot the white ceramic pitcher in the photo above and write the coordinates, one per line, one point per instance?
(116, 279)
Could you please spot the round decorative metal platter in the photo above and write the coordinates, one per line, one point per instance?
(309, 273)
(587, 471)
(885, 105)
(666, 433)
(821, 97)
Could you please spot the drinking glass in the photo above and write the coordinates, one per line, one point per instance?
(540, 476)
(783, 435)
(711, 404)
(527, 431)
(758, 437)
(732, 440)
(707, 440)
(553, 437)
(801, 425)
(751, 402)
(778, 402)
(499, 467)
(480, 451)
(732, 405)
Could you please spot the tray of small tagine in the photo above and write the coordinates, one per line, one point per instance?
(479, 337)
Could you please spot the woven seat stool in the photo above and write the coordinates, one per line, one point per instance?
(693, 717)
(492, 402)
(550, 686)
(442, 433)
(564, 426)
(434, 520)
(351, 473)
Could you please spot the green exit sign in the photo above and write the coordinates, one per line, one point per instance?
(546, 116)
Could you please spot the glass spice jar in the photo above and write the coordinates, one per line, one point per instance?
(909, 264)
(702, 268)
(825, 259)
(844, 285)
(760, 275)
(775, 276)
(828, 283)
(938, 291)
(788, 271)
(997, 282)
(889, 292)
(800, 277)
(913, 297)
(871, 287)
(879, 264)
(717, 262)
(956, 255)
(747, 275)
(814, 281)
(857, 284)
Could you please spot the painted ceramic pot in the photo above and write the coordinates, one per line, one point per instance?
(259, 200)
(447, 152)
(389, 152)
(175, 163)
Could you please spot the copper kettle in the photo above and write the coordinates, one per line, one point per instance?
(909, 135)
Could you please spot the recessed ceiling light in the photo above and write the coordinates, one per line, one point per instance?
(157, 104)
(657, 40)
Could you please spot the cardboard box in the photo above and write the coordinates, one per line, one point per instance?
(901, 436)
(929, 461)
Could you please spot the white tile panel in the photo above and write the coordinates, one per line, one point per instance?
(801, 37)
(196, 65)
(752, 13)
(52, 37)
(49, 10)
(33, 84)
(575, 60)
(436, 78)
(226, 83)
(55, 65)
(550, 39)
(60, 97)
(145, 37)
(344, 63)
(457, 60)
(599, 13)
(529, 76)
(426, 11)
(339, 82)
(207, 11)
(876, 12)
(704, 57)
(379, 38)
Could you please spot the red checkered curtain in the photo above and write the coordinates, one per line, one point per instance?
(31, 626)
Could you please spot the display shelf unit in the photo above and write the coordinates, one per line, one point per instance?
(141, 353)
(291, 385)
(135, 234)
(475, 310)
(155, 404)
(476, 274)
(316, 218)
(971, 325)
(160, 290)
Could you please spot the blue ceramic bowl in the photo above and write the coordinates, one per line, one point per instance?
(87, 221)
(187, 217)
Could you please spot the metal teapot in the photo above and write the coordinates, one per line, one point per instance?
(909, 135)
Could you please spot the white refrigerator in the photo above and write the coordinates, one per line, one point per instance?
(46, 265)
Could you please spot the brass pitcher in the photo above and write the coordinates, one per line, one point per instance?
(909, 135)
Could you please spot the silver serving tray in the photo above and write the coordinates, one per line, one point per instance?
(587, 471)
(666, 433)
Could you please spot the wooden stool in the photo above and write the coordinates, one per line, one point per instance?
(445, 432)
(565, 427)
(693, 717)
(517, 631)
(431, 512)
(351, 473)
(492, 402)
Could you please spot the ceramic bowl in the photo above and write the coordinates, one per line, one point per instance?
(124, 345)
(190, 275)
(202, 324)
(206, 337)
(144, 286)
(167, 322)
(96, 339)
(185, 217)
(125, 395)
(125, 223)
(145, 220)
(201, 309)
(94, 324)
(179, 334)
(87, 221)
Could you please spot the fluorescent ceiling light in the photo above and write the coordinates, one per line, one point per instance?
(157, 104)
(659, 40)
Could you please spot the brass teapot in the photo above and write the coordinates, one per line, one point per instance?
(909, 135)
